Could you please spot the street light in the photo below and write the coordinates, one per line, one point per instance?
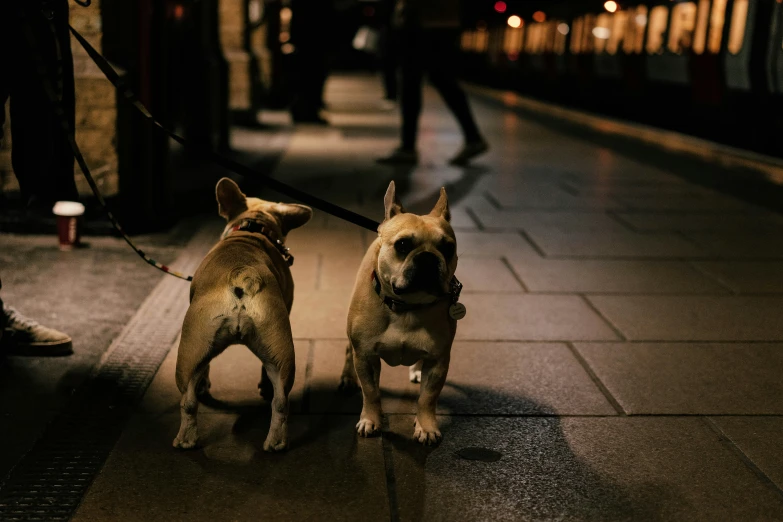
(610, 6)
(514, 21)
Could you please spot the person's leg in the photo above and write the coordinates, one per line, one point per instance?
(412, 77)
(41, 156)
(410, 102)
(441, 67)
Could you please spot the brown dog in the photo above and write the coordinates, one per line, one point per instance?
(404, 310)
(242, 294)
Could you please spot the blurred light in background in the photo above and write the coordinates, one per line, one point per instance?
(514, 21)
(500, 7)
(610, 6)
(602, 33)
(539, 16)
(562, 28)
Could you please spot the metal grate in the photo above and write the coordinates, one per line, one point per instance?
(50, 481)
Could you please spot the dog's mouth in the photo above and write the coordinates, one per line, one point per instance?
(420, 283)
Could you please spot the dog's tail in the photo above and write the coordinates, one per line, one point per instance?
(245, 281)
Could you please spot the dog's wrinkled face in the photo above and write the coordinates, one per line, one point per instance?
(418, 254)
(235, 206)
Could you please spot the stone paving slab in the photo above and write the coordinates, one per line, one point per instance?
(759, 439)
(701, 222)
(747, 277)
(328, 474)
(690, 378)
(510, 317)
(484, 379)
(759, 245)
(694, 318)
(611, 276)
(234, 374)
(566, 221)
(558, 243)
(576, 469)
(483, 274)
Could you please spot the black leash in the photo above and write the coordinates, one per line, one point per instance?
(223, 161)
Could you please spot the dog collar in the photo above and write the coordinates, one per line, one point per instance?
(397, 306)
(257, 227)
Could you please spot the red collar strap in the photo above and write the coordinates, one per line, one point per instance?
(257, 227)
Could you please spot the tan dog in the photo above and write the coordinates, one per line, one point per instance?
(404, 311)
(242, 294)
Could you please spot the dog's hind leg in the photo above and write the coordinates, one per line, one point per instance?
(348, 383)
(199, 343)
(277, 355)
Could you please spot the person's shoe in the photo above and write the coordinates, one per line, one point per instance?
(469, 151)
(23, 336)
(400, 157)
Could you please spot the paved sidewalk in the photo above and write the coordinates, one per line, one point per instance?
(622, 349)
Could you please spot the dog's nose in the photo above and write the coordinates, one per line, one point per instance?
(426, 262)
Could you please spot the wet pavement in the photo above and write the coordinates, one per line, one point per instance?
(621, 352)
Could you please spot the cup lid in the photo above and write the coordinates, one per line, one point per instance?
(68, 208)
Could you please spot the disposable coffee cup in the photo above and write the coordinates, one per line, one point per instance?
(69, 217)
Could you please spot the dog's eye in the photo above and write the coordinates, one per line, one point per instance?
(447, 248)
(403, 246)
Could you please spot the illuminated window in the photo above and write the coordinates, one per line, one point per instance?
(682, 26)
(587, 34)
(513, 41)
(602, 31)
(739, 17)
(633, 40)
(481, 41)
(576, 36)
(560, 37)
(700, 36)
(717, 18)
(618, 30)
(467, 41)
(658, 20)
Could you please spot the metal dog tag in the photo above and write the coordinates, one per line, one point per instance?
(457, 311)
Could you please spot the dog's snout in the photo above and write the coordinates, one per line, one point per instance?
(427, 262)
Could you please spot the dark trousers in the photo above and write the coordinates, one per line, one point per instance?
(312, 69)
(389, 64)
(41, 157)
(433, 51)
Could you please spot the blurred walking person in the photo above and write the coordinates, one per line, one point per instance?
(427, 35)
(311, 28)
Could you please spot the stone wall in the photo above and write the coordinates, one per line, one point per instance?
(96, 112)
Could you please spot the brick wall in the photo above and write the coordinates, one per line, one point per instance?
(96, 112)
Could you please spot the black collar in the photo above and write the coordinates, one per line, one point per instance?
(254, 226)
(398, 307)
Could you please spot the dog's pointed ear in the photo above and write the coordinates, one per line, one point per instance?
(441, 208)
(391, 204)
(231, 201)
(292, 216)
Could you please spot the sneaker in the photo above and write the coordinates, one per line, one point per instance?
(469, 151)
(23, 336)
(400, 157)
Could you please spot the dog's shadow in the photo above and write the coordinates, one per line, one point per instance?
(539, 473)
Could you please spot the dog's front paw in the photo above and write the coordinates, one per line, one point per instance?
(367, 427)
(185, 441)
(273, 444)
(428, 435)
(348, 385)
